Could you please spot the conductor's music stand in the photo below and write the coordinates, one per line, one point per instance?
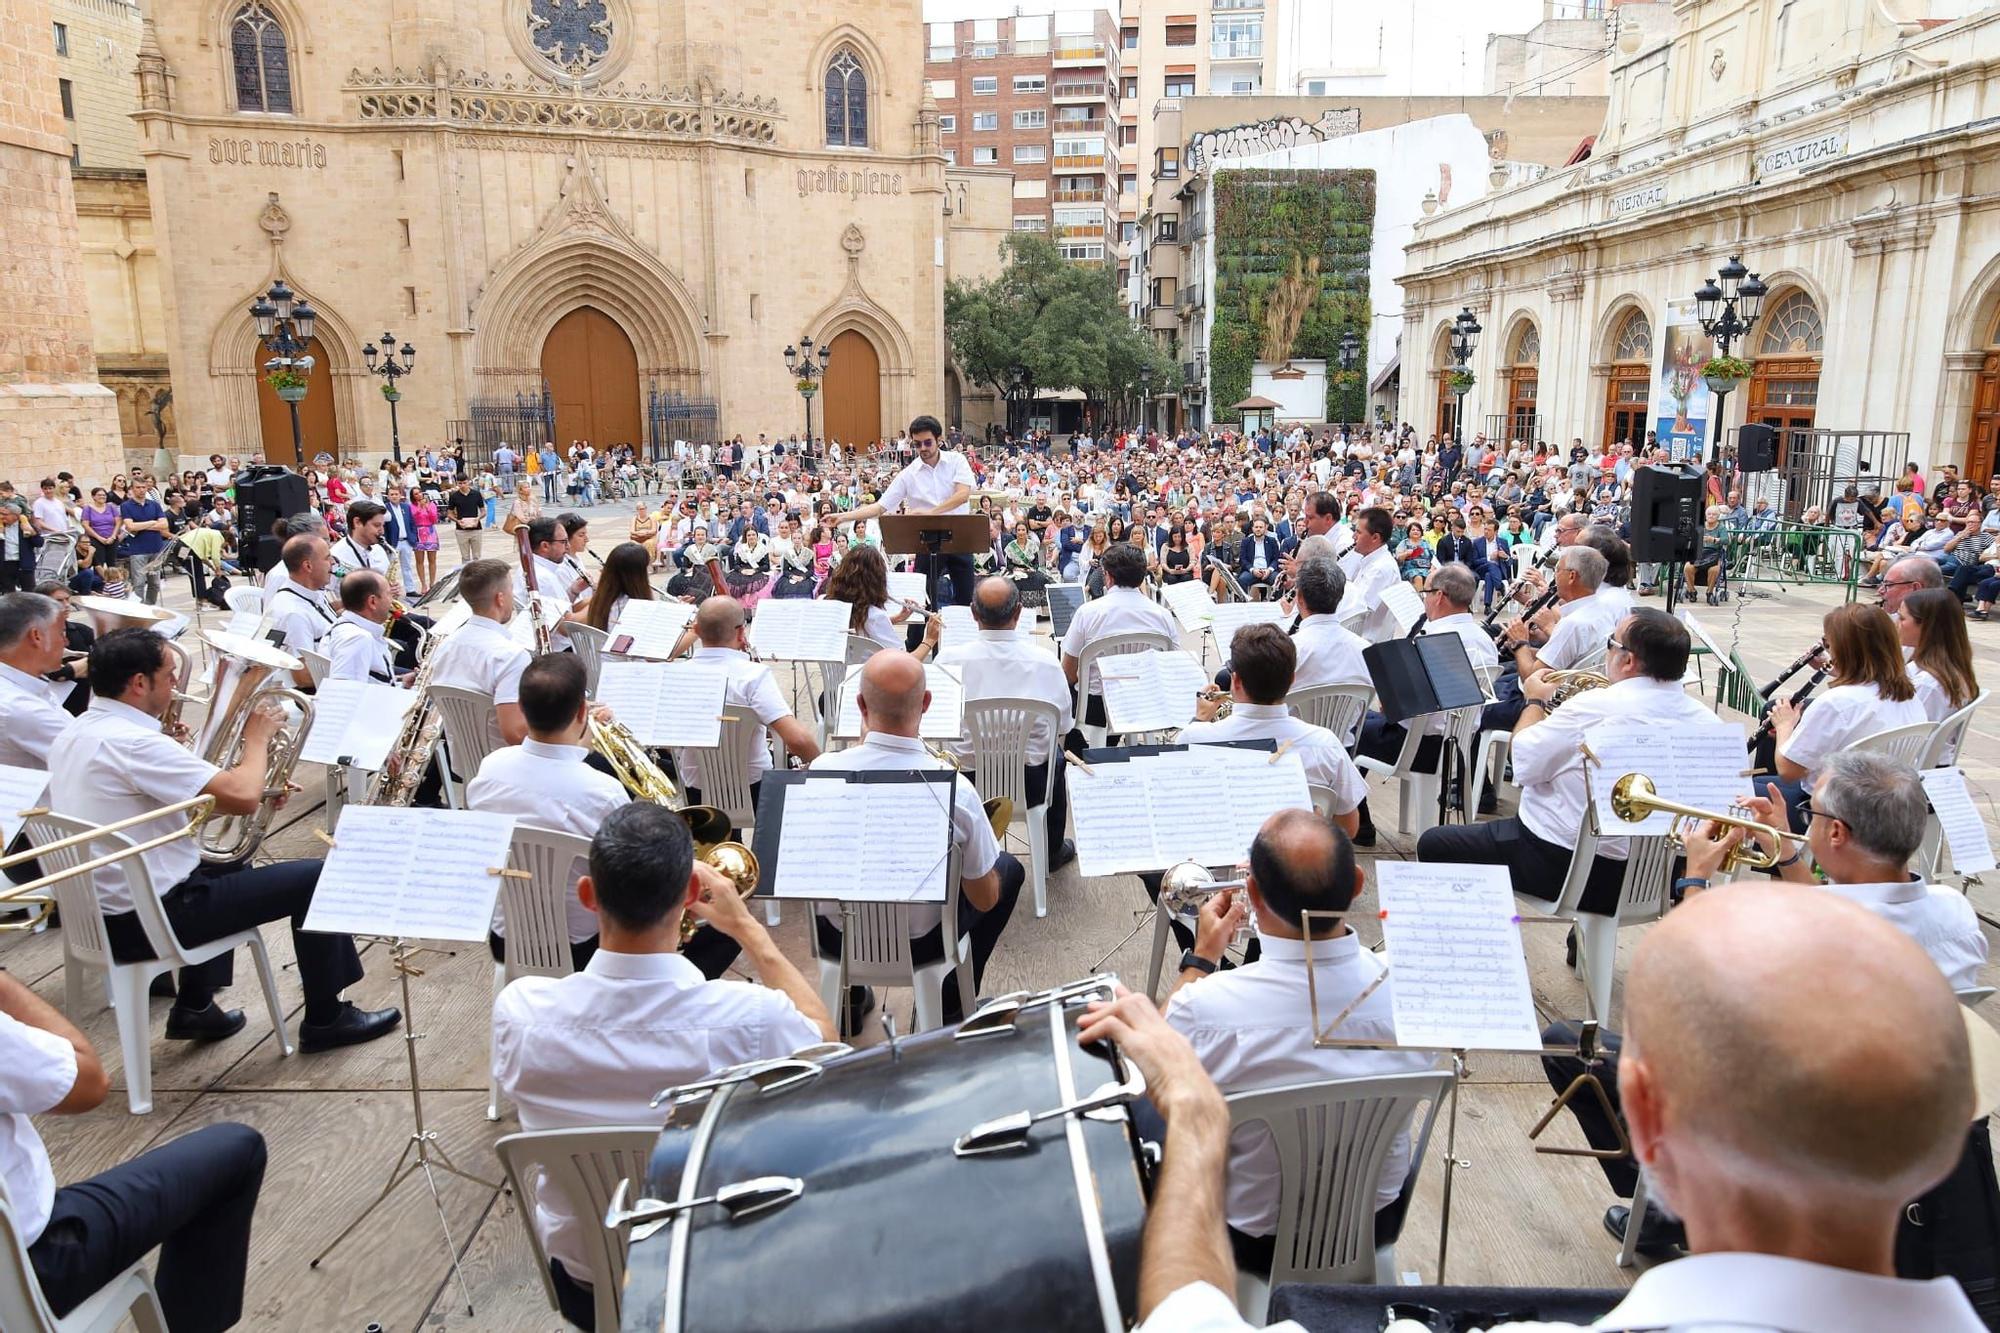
(935, 535)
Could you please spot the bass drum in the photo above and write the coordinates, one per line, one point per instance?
(918, 1185)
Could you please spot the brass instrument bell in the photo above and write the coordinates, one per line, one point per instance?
(1633, 797)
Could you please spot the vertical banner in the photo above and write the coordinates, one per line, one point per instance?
(1681, 401)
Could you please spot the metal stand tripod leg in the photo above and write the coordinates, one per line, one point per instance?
(1452, 1164)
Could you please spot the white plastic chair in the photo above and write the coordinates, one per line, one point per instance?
(999, 731)
(468, 735)
(1490, 749)
(1941, 750)
(1111, 645)
(860, 648)
(875, 946)
(23, 1308)
(1642, 897)
(244, 597)
(1417, 792)
(1974, 996)
(1338, 708)
(589, 645)
(1905, 742)
(584, 1167)
(1332, 1138)
(722, 771)
(126, 984)
(536, 915)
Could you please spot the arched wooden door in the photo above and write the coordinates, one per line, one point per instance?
(1982, 449)
(593, 377)
(851, 401)
(317, 427)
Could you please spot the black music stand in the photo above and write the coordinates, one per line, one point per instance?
(935, 535)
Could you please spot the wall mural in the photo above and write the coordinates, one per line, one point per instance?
(1264, 136)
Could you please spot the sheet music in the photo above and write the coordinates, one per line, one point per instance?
(909, 586)
(959, 624)
(944, 720)
(1151, 690)
(372, 885)
(801, 629)
(1111, 836)
(1404, 605)
(1202, 804)
(1700, 633)
(665, 703)
(1232, 616)
(1458, 977)
(1064, 600)
(1258, 788)
(1191, 602)
(1700, 765)
(655, 626)
(243, 622)
(357, 720)
(864, 841)
(20, 790)
(1964, 830)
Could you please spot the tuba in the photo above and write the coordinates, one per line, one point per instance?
(1633, 797)
(245, 685)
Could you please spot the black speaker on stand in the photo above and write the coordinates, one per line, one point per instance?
(265, 494)
(1666, 518)
(1756, 447)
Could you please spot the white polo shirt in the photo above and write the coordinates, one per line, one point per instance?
(302, 615)
(1368, 577)
(37, 1070)
(351, 555)
(1930, 693)
(1940, 920)
(1840, 716)
(1119, 611)
(114, 762)
(551, 787)
(924, 486)
(31, 717)
(1319, 750)
(481, 656)
(551, 580)
(1252, 1028)
(1010, 664)
(359, 650)
(971, 834)
(1329, 654)
(1586, 624)
(749, 685)
(1479, 646)
(594, 1047)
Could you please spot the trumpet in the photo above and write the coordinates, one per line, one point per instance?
(35, 893)
(1633, 797)
(1189, 884)
(1569, 684)
(1226, 705)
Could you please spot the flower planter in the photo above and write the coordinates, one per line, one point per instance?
(292, 393)
(1721, 384)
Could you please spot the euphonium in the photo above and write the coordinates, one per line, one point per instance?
(226, 838)
(1633, 797)
(1569, 684)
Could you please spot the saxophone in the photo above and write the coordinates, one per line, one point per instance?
(396, 784)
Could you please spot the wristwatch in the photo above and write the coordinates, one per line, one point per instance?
(1191, 959)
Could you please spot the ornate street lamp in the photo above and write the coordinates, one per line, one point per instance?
(1727, 306)
(808, 368)
(285, 326)
(1465, 333)
(391, 364)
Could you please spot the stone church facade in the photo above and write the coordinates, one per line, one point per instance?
(635, 204)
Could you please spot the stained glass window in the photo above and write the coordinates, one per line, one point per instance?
(1635, 338)
(1792, 328)
(260, 61)
(575, 35)
(846, 102)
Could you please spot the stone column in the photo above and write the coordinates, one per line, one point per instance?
(53, 413)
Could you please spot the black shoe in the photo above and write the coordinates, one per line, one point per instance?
(163, 987)
(1064, 854)
(854, 1010)
(1660, 1237)
(210, 1024)
(353, 1027)
(1365, 835)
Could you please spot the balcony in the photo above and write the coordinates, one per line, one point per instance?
(1190, 298)
(1235, 6)
(1242, 48)
(1080, 92)
(1080, 231)
(1092, 126)
(1196, 228)
(1083, 162)
(1071, 51)
(1099, 196)
(1191, 372)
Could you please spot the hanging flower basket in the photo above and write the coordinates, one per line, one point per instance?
(1460, 382)
(808, 387)
(391, 394)
(1723, 374)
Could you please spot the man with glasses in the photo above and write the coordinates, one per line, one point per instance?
(939, 481)
(1907, 575)
(1644, 660)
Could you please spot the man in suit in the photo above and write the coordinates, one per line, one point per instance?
(1490, 560)
(399, 534)
(1257, 560)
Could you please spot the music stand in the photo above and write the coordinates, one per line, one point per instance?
(935, 535)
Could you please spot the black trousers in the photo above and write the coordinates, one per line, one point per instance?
(982, 928)
(220, 900)
(957, 568)
(1537, 868)
(193, 1197)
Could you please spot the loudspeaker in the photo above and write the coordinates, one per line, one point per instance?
(1756, 448)
(266, 493)
(1666, 514)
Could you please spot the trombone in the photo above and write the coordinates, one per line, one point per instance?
(34, 894)
(1634, 797)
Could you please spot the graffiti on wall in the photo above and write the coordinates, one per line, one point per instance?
(1264, 136)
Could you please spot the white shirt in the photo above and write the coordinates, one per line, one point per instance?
(53, 513)
(750, 685)
(481, 656)
(551, 787)
(115, 762)
(971, 834)
(1930, 694)
(1612, 595)
(594, 1047)
(553, 581)
(37, 1070)
(359, 650)
(1319, 750)
(1839, 717)
(276, 577)
(1252, 1028)
(351, 555)
(1119, 611)
(1010, 664)
(1940, 920)
(922, 486)
(1548, 756)
(31, 717)
(880, 625)
(1587, 622)
(1329, 654)
(302, 615)
(1368, 577)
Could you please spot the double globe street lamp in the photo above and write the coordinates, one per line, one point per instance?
(807, 365)
(1727, 306)
(391, 364)
(1465, 331)
(285, 324)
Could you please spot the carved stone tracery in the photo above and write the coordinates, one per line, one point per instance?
(696, 112)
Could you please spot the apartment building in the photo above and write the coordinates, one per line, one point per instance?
(1037, 94)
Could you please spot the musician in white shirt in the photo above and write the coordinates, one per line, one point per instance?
(481, 655)
(1616, 589)
(1001, 662)
(114, 763)
(1869, 691)
(31, 712)
(1124, 609)
(356, 645)
(1329, 652)
(308, 523)
(939, 481)
(1644, 662)
(593, 1048)
(893, 700)
(1371, 570)
(300, 611)
(576, 544)
(1252, 1026)
(548, 545)
(363, 547)
(721, 639)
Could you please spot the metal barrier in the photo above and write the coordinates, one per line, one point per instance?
(1794, 554)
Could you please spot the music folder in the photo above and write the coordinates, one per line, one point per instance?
(955, 534)
(855, 835)
(1427, 674)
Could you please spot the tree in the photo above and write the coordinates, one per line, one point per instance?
(1053, 323)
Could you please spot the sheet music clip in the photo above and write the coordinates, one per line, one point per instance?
(1587, 1051)
(1088, 771)
(506, 873)
(324, 836)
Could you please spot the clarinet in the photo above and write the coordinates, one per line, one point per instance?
(1804, 660)
(1763, 743)
(1513, 590)
(1529, 612)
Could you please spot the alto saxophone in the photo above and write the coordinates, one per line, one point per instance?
(397, 782)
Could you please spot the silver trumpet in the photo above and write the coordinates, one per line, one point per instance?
(1187, 885)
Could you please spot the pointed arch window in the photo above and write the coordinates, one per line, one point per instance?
(260, 60)
(846, 101)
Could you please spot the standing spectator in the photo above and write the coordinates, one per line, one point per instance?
(551, 471)
(503, 463)
(17, 545)
(145, 540)
(399, 534)
(468, 518)
(424, 517)
(50, 511)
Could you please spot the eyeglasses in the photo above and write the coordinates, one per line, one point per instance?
(1808, 810)
(1612, 644)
